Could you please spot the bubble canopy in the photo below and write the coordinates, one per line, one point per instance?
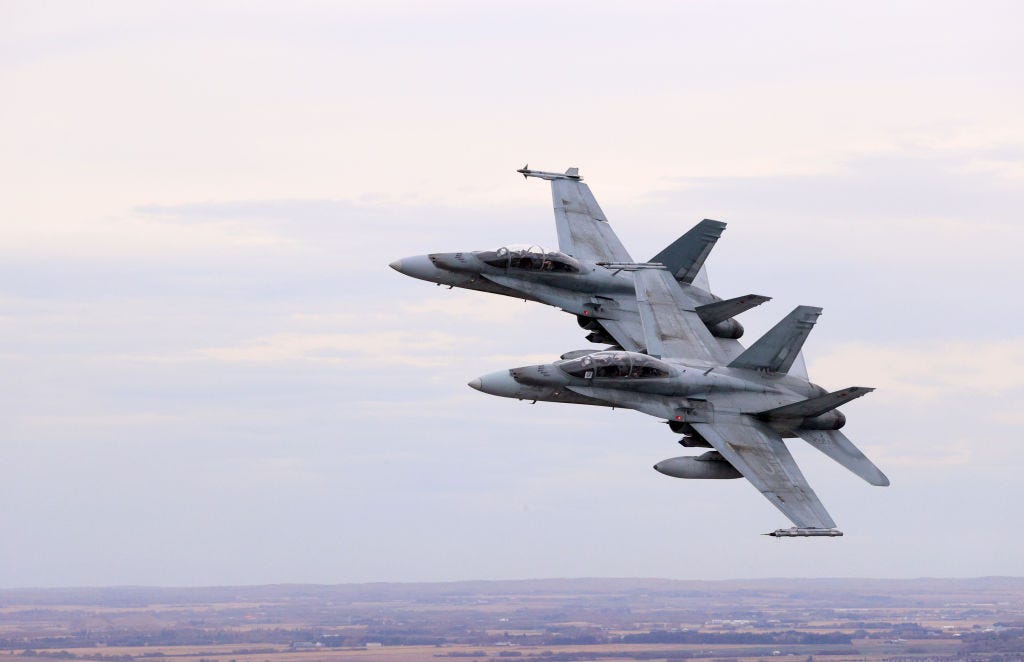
(618, 365)
(529, 258)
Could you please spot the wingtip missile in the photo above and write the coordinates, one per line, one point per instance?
(798, 532)
(571, 173)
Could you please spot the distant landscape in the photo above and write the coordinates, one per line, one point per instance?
(549, 620)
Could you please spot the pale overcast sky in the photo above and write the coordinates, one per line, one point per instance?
(212, 376)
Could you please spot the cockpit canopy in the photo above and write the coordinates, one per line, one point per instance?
(627, 365)
(530, 258)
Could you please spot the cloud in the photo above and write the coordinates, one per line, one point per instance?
(370, 350)
(272, 473)
(384, 347)
(1010, 417)
(927, 371)
(297, 213)
(905, 202)
(952, 456)
(198, 222)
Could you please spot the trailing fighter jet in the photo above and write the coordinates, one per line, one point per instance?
(741, 406)
(590, 275)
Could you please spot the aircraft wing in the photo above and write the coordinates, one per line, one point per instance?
(759, 453)
(583, 229)
(672, 328)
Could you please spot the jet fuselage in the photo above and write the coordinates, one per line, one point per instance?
(586, 289)
(637, 381)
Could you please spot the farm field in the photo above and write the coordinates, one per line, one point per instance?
(546, 620)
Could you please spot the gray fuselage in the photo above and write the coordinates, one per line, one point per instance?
(577, 289)
(667, 388)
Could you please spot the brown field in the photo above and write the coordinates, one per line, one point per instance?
(552, 621)
(866, 650)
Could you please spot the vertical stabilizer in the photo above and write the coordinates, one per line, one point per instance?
(776, 350)
(685, 256)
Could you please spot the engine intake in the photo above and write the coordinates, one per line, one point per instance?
(681, 427)
(601, 337)
(692, 438)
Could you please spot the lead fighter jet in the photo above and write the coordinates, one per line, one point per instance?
(741, 403)
(591, 275)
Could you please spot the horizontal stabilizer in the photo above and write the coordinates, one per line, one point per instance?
(685, 256)
(838, 447)
(719, 311)
(816, 406)
(776, 350)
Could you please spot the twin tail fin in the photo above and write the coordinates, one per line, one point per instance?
(776, 350)
(686, 255)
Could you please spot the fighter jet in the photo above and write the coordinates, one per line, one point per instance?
(590, 275)
(741, 406)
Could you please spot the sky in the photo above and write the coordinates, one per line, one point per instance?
(212, 377)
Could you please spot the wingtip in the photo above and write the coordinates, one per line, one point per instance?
(807, 313)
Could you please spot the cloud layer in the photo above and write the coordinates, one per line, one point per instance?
(214, 378)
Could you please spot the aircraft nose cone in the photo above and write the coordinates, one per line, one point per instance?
(419, 266)
(498, 383)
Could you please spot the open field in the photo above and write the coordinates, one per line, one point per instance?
(550, 620)
(610, 652)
